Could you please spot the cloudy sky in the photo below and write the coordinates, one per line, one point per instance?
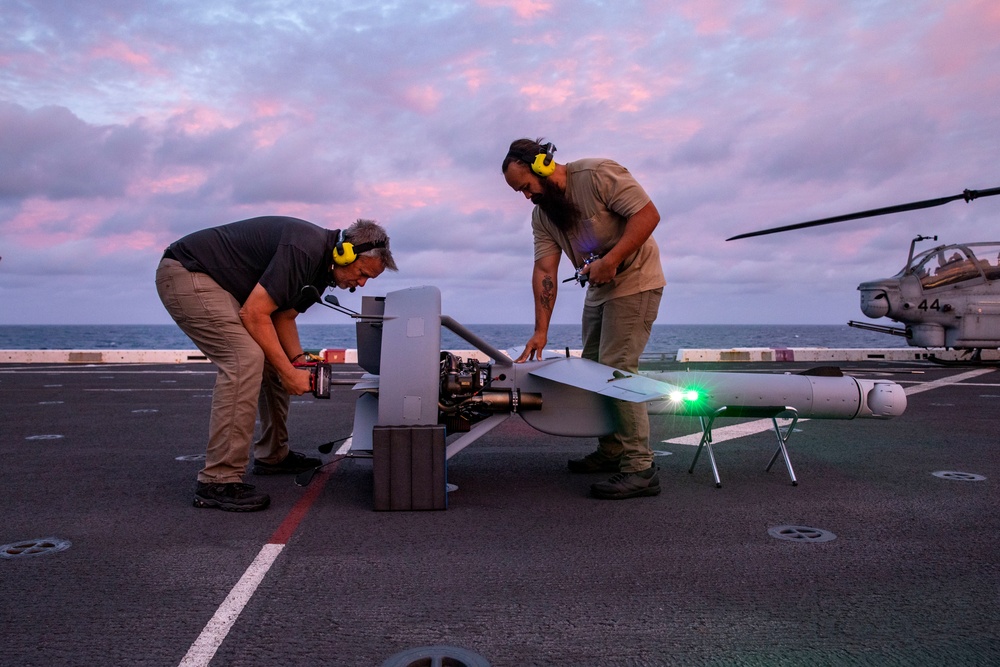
(125, 125)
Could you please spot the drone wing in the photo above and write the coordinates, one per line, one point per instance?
(604, 380)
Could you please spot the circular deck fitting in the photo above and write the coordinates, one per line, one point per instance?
(959, 476)
(436, 656)
(801, 534)
(40, 547)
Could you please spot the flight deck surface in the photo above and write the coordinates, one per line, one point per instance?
(523, 568)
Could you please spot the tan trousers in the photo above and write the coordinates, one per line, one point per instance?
(245, 383)
(615, 333)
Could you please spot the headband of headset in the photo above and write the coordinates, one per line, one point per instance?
(345, 252)
(541, 164)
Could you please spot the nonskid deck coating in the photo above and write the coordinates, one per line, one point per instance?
(523, 568)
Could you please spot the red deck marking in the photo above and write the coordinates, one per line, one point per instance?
(208, 642)
(301, 508)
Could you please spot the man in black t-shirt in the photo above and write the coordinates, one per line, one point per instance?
(236, 290)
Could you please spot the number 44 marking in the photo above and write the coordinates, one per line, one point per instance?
(934, 306)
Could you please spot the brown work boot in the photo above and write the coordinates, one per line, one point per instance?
(594, 462)
(231, 497)
(628, 485)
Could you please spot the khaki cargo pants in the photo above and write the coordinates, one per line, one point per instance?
(615, 333)
(245, 383)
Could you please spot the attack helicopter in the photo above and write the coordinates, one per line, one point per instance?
(945, 297)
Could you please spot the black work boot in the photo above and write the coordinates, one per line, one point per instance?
(292, 464)
(628, 485)
(594, 462)
(231, 497)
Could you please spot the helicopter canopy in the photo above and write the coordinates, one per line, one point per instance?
(950, 264)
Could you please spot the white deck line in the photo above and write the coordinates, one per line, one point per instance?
(203, 650)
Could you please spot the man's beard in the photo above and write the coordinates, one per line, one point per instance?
(554, 203)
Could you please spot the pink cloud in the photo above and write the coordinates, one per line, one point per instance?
(268, 107)
(955, 44)
(523, 9)
(199, 119)
(626, 94)
(44, 223)
(709, 17)
(407, 194)
(545, 97)
(273, 130)
(422, 99)
(174, 181)
(472, 71)
(133, 241)
(123, 53)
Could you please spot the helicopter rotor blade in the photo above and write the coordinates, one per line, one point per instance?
(967, 195)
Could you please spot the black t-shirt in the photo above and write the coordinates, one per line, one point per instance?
(282, 254)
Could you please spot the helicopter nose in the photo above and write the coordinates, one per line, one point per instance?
(874, 303)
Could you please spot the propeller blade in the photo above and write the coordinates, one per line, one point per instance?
(968, 196)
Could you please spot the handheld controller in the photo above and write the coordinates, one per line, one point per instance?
(579, 276)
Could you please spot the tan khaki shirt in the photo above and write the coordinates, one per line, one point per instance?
(608, 195)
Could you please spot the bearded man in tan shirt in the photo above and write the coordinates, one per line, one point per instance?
(596, 213)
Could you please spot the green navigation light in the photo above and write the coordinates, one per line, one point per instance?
(684, 396)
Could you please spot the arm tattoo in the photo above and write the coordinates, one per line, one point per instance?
(548, 296)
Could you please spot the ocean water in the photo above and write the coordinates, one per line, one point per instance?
(665, 338)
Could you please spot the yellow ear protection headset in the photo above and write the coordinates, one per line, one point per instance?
(345, 252)
(543, 164)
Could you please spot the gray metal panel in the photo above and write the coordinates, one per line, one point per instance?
(365, 413)
(369, 332)
(411, 358)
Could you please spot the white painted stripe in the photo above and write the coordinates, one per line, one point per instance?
(943, 382)
(211, 638)
(731, 432)
(109, 390)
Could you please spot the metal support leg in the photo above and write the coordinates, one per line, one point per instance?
(783, 443)
(706, 441)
